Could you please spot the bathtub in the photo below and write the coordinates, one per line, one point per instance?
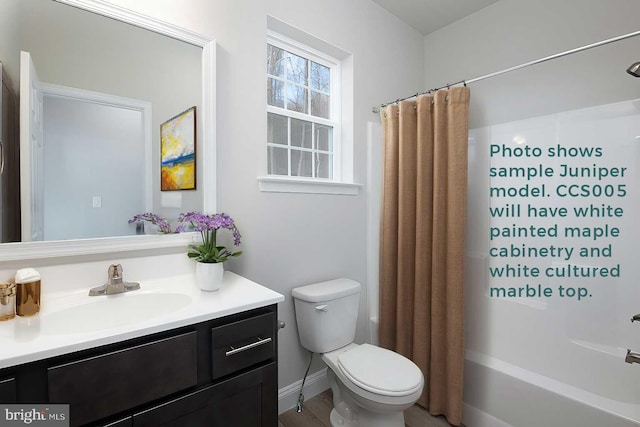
(499, 394)
(550, 362)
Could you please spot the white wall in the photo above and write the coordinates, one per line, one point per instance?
(294, 239)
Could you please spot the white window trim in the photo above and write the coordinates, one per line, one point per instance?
(336, 185)
(286, 184)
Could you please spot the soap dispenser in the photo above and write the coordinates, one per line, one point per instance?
(27, 292)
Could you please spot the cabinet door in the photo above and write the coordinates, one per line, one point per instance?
(248, 400)
(8, 390)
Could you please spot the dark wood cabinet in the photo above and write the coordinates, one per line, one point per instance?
(8, 390)
(222, 372)
(248, 399)
(240, 344)
(94, 386)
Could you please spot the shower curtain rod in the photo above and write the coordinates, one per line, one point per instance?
(517, 67)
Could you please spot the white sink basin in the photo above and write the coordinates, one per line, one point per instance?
(111, 311)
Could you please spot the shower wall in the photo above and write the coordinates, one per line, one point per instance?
(582, 102)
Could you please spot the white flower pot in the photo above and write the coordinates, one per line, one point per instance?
(209, 275)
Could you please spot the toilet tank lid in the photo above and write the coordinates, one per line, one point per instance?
(326, 291)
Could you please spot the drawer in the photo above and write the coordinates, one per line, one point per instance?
(104, 385)
(8, 390)
(235, 402)
(241, 344)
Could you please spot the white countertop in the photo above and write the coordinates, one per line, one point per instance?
(70, 321)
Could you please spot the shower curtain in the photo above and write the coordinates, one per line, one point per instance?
(423, 239)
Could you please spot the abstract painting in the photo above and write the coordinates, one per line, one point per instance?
(178, 152)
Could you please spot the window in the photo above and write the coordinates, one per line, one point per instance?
(303, 125)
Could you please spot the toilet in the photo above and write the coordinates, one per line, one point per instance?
(371, 385)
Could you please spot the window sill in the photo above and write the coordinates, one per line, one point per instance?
(281, 184)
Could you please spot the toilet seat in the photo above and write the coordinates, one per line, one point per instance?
(380, 371)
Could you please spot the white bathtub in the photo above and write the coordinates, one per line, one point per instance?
(549, 363)
(499, 394)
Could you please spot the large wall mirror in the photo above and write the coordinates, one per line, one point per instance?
(86, 86)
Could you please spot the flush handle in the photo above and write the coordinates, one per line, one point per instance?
(322, 308)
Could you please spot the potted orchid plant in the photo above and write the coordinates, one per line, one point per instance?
(209, 255)
(208, 225)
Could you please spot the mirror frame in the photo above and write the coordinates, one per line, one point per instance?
(207, 150)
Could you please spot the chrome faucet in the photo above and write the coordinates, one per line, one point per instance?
(632, 357)
(115, 284)
(635, 317)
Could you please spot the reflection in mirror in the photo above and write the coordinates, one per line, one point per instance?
(89, 178)
(114, 156)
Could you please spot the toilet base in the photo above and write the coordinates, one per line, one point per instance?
(387, 420)
(347, 413)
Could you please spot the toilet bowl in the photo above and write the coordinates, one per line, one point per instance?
(371, 385)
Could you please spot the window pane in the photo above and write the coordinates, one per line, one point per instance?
(301, 163)
(319, 104)
(324, 167)
(324, 138)
(276, 129)
(297, 98)
(301, 133)
(277, 162)
(275, 61)
(275, 92)
(320, 77)
(297, 68)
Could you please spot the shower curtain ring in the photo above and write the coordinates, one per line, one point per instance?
(464, 83)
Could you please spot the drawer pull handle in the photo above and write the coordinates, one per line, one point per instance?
(248, 346)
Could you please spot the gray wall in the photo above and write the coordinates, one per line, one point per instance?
(295, 239)
(9, 41)
(511, 32)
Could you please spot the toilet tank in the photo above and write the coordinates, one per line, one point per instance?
(326, 314)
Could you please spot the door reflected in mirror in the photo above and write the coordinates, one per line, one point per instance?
(87, 178)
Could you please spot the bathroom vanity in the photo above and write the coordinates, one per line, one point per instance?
(212, 362)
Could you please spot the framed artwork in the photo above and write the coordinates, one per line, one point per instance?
(178, 152)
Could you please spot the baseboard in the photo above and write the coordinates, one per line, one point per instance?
(474, 417)
(315, 384)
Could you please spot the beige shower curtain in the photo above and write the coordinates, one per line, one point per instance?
(422, 241)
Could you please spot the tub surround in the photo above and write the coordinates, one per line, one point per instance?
(29, 339)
